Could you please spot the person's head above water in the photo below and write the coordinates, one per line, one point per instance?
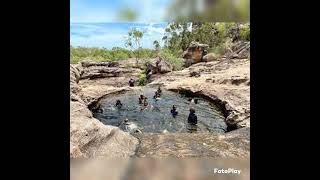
(192, 110)
(118, 101)
(174, 107)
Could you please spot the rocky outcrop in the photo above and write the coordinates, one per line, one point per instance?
(95, 63)
(239, 50)
(88, 136)
(226, 83)
(194, 53)
(162, 67)
(93, 70)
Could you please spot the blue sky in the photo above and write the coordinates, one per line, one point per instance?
(108, 10)
(109, 35)
(94, 23)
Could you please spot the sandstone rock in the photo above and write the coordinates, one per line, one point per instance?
(93, 72)
(225, 83)
(75, 74)
(239, 50)
(95, 63)
(163, 67)
(88, 136)
(194, 52)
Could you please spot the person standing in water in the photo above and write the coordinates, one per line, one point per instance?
(156, 95)
(141, 99)
(192, 119)
(174, 111)
(145, 102)
(118, 104)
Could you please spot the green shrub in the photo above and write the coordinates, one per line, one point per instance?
(102, 54)
(176, 62)
(245, 33)
(142, 79)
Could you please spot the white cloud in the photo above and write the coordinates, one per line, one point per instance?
(112, 34)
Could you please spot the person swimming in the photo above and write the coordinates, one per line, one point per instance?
(145, 102)
(174, 111)
(118, 104)
(156, 95)
(141, 99)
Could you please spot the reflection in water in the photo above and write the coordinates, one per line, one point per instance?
(156, 116)
(192, 128)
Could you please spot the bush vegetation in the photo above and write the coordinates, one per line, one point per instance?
(177, 37)
(142, 79)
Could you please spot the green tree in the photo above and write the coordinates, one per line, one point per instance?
(133, 41)
(156, 45)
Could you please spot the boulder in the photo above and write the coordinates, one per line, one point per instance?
(194, 52)
(163, 66)
(93, 72)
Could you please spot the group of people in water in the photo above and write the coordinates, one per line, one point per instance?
(143, 102)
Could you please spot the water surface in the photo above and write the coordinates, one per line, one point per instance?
(156, 117)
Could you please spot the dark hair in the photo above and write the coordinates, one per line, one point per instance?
(192, 110)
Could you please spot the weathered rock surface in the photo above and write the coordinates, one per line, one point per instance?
(226, 83)
(240, 50)
(88, 136)
(163, 66)
(182, 145)
(194, 53)
(95, 63)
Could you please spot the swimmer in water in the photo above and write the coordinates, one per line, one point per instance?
(141, 99)
(174, 111)
(192, 119)
(156, 96)
(118, 104)
(145, 102)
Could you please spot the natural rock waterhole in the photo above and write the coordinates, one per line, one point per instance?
(156, 117)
